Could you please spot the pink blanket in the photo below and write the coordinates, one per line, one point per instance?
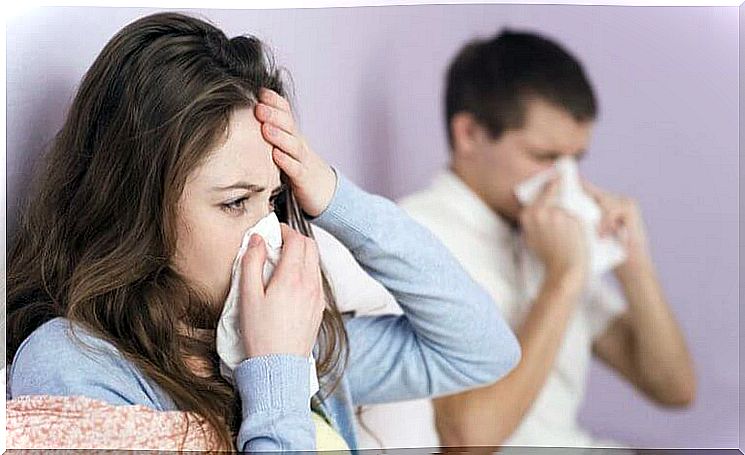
(39, 422)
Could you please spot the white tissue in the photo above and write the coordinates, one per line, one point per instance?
(229, 345)
(605, 253)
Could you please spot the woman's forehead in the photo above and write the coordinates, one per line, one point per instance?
(243, 155)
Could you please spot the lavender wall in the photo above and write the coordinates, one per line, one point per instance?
(368, 86)
(742, 229)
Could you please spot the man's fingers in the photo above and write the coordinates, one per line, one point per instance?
(611, 222)
(593, 190)
(610, 216)
(548, 193)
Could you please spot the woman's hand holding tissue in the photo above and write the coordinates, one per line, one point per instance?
(311, 178)
(556, 237)
(285, 317)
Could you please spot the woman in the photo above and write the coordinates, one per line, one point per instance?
(177, 142)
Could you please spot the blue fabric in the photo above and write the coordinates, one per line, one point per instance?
(450, 338)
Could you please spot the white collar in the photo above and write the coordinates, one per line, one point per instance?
(471, 209)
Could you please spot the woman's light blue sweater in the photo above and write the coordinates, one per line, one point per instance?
(450, 338)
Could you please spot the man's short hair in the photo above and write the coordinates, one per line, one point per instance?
(492, 78)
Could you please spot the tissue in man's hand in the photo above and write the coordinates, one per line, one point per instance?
(605, 253)
(229, 344)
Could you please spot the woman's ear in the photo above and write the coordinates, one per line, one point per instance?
(468, 135)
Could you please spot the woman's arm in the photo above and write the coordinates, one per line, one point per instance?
(275, 404)
(450, 337)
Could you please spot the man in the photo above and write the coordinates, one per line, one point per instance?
(516, 103)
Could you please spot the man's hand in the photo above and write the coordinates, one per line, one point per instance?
(622, 217)
(555, 236)
(645, 344)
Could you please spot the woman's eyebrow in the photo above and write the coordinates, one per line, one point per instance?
(240, 185)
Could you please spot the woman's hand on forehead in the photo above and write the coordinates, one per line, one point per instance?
(311, 178)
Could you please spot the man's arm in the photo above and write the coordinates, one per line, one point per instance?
(645, 344)
(488, 415)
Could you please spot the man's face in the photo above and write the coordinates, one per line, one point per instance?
(548, 133)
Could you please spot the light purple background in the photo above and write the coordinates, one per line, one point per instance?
(368, 85)
(742, 229)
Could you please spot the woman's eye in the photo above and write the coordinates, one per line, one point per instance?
(235, 207)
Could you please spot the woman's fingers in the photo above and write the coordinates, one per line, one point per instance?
(290, 144)
(311, 256)
(312, 180)
(313, 271)
(285, 320)
(293, 248)
(277, 117)
(274, 99)
(251, 283)
(293, 168)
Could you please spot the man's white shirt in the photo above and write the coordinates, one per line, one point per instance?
(494, 254)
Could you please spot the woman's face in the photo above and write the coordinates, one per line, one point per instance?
(228, 194)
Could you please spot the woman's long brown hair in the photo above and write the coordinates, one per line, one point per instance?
(97, 234)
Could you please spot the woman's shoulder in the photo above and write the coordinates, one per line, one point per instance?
(61, 357)
(61, 341)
